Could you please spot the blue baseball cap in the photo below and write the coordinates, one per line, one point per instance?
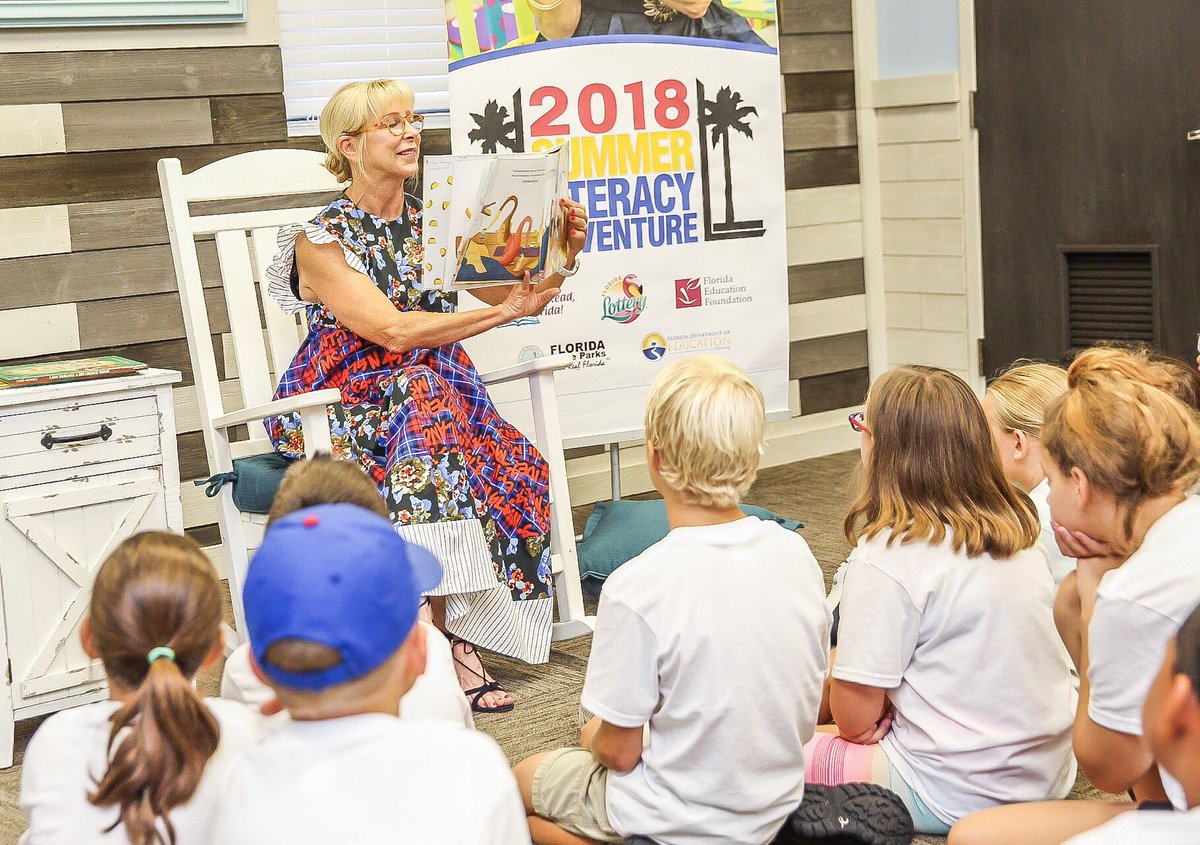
(338, 575)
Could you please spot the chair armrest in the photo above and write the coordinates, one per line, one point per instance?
(299, 402)
(525, 369)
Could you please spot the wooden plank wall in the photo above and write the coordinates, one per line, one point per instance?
(827, 307)
(919, 130)
(85, 266)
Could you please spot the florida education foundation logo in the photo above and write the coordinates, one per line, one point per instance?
(688, 293)
(654, 346)
(623, 299)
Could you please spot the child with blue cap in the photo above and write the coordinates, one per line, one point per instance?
(331, 599)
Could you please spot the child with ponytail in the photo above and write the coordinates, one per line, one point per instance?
(142, 767)
(1121, 452)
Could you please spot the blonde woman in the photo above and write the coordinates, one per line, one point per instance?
(1015, 405)
(456, 477)
(950, 686)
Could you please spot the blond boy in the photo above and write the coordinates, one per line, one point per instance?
(715, 638)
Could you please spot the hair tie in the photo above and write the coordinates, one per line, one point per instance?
(160, 651)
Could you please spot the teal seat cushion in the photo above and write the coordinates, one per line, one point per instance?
(255, 481)
(620, 531)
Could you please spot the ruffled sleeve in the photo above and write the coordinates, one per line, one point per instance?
(281, 280)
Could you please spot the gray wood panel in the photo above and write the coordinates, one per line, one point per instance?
(84, 76)
(101, 274)
(819, 91)
(819, 168)
(584, 451)
(100, 176)
(831, 354)
(141, 319)
(819, 130)
(126, 124)
(204, 535)
(833, 390)
(810, 282)
(810, 53)
(118, 223)
(797, 17)
(260, 117)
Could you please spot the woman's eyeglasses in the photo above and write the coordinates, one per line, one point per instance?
(856, 423)
(394, 123)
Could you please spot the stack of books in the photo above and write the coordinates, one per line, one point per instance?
(79, 369)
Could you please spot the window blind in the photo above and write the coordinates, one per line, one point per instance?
(327, 43)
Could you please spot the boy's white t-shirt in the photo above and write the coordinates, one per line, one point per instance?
(435, 694)
(371, 779)
(68, 755)
(980, 680)
(1160, 827)
(717, 636)
(1140, 606)
(1060, 565)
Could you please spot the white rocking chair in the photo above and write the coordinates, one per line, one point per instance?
(246, 245)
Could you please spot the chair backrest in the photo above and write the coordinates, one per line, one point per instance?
(240, 202)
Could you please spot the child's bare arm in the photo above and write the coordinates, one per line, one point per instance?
(619, 749)
(858, 711)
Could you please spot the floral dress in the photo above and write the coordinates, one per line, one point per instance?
(457, 478)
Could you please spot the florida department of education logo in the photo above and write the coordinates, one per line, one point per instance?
(623, 299)
(654, 346)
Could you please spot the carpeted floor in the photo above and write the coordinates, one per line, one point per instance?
(816, 492)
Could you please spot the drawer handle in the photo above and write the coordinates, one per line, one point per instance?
(50, 441)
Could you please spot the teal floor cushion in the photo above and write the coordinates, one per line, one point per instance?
(255, 481)
(620, 531)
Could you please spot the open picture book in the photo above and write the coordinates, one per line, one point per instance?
(489, 219)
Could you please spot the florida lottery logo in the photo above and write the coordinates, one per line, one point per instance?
(623, 299)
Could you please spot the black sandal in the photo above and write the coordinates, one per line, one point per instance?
(488, 686)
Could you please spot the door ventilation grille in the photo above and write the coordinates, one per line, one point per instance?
(1110, 296)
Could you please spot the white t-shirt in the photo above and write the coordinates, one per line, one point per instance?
(1160, 827)
(371, 779)
(1139, 608)
(1060, 565)
(717, 636)
(979, 678)
(68, 755)
(435, 695)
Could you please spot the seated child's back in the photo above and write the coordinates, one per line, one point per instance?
(331, 599)
(717, 637)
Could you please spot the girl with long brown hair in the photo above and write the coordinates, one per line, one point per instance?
(142, 767)
(1122, 452)
(950, 685)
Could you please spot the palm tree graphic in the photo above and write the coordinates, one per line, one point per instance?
(493, 128)
(724, 114)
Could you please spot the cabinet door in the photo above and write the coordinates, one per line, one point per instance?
(52, 540)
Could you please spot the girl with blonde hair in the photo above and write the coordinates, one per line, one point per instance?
(455, 476)
(950, 685)
(1015, 406)
(1121, 452)
(143, 767)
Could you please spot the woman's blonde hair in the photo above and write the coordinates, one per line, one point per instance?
(156, 590)
(1022, 392)
(1122, 424)
(350, 108)
(933, 467)
(705, 418)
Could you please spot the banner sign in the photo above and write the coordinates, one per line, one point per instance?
(676, 150)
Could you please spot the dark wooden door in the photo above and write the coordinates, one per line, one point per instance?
(1090, 188)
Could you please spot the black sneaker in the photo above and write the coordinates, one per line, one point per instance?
(861, 813)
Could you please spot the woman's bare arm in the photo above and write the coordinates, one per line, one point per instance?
(559, 22)
(364, 309)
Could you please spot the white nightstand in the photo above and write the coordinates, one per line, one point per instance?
(83, 465)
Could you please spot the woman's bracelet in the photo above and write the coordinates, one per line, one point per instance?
(656, 10)
(544, 7)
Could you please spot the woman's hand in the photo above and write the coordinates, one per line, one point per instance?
(575, 230)
(694, 9)
(524, 301)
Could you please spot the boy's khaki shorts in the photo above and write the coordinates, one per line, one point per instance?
(568, 789)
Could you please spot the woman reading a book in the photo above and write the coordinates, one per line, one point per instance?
(457, 478)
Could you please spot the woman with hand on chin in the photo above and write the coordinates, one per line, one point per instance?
(457, 478)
